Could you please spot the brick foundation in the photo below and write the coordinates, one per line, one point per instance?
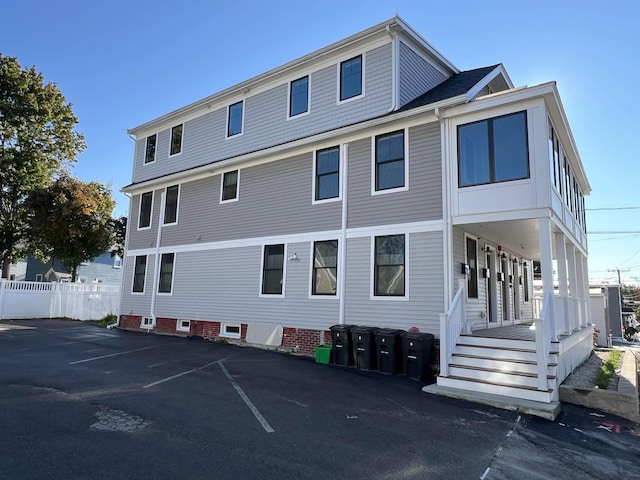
(304, 341)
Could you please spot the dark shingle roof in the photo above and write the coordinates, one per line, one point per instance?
(457, 84)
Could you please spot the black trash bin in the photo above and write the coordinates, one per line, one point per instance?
(389, 350)
(416, 353)
(364, 347)
(341, 340)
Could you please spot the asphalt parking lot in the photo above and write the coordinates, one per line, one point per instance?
(78, 401)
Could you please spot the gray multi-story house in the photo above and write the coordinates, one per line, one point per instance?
(372, 183)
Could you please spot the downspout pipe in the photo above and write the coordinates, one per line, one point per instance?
(124, 260)
(156, 266)
(342, 250)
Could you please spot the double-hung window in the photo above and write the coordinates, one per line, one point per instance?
(139, 273)
(146, 204)
(176, 140)
(390, 169)
(150, 149)
(165, 283)
(273, 269)
(299, 96)
(351, 78)
(171, 204)
(493, 150)
(230, 186)
(234, 119)
(389, 266)
(325, 268)
(327, 174)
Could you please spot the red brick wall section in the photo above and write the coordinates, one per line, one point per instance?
(130, 321)
(243, 331)
(197, 327)
(165, 325)
(210, 330)
(304, 341)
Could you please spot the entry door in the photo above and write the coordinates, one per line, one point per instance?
(491, 289)
(504, 263)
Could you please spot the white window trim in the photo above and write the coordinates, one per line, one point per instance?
(117, 261)
(173, 275)
(311, 260)
(313, 179)
(171, 140)
(372, 271)
(181, 328)
(12, 277)
(155, 152)
(177, 204)
(303, 114)
(226, 334)
(147, 322)
(153, 199)
(133, 276)
(284, 273)
(406, 165)
(226, 130)
(222, 174)
(339, 79)
(39, 277)
(478, 270)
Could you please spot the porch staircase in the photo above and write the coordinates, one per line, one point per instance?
(500, 372)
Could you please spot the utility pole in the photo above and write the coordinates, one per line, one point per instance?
(618, 270)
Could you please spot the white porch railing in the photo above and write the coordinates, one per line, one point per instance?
(544, 334)
(451, 324)
(82, 301)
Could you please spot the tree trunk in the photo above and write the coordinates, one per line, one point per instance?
(74, 272)
(6, 266)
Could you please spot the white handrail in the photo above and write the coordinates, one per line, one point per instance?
(451, 324)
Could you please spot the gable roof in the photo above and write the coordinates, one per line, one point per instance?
(455, 85)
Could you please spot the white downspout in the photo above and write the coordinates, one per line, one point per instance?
(156, 266)
(124, 261)
(342, 244)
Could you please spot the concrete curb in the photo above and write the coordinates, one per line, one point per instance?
(623, 402)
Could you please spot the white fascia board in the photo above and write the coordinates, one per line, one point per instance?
(419, 39)
(346, 134)
(499, 70)
(369, 38)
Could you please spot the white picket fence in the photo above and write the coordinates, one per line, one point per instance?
(81, 301)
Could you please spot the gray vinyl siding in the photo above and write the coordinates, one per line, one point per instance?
(273, 199)
(265, 119)
(417, 75)
(224, 285)
(421, 202)
(137, 304)
(425, 286)
(145, 238)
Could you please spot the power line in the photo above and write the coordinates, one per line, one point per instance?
(611, 208)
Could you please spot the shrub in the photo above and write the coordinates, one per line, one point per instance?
(608, 369)
(107, 320)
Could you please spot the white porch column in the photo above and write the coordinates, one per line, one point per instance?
(574, 290)
(564, 324)
(583, 289)
(546, 263)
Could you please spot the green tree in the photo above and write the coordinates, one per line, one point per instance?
(37, 139)
(70, 221)
(119, 229)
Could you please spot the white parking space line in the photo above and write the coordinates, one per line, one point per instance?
(156, 365)
(111, 355)
(93, 350)
(244, 397)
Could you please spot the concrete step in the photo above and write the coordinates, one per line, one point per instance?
(525, 393)
(501, 353)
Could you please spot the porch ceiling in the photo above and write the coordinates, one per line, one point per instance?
(518, 237)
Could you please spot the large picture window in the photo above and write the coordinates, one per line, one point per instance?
(327, 173)
(139, 273)
(171, 204)
(146, 204)
(325, 267)
(390, 161)
(493, 150)
(165, 283)
(389, 268)
(273, 269)
(351, 78)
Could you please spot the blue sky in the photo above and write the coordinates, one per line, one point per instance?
(122, 63)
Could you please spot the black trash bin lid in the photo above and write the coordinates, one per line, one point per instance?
(389, 332)
(418, 336)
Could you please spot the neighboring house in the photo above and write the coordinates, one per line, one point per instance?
(102, 269)
(606, 312)
(374, 183)
(18, 270)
